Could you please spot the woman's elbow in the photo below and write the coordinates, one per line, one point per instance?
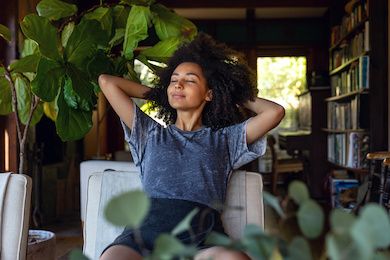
(280, 112)
(104, 81)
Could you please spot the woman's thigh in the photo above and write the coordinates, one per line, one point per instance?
(220, 253)
(120, 252)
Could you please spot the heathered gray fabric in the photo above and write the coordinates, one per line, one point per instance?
(188, 165)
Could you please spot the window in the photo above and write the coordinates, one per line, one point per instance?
(281, 79)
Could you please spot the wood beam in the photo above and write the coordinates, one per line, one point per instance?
(244, 3)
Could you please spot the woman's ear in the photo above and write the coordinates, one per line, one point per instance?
(209, 95)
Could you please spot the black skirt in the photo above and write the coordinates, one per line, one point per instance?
(163, 217)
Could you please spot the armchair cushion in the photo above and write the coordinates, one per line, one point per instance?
(15, 197)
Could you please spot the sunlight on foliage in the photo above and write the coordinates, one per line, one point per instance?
(281, 79)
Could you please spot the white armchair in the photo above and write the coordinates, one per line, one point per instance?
(15, 197)
(244, 190)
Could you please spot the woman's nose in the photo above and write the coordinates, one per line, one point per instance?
(179, 84)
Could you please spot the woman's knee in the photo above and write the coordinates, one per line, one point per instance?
(120, 252)
(220, 253)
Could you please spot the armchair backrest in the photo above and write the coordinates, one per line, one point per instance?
(244, 192)
(15, 198)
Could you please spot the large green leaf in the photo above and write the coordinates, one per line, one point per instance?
(310, 218)
(169, 24)
(120, 13)
(48, 80)
(82, 87)
(5, 33)
(136, 29)
(103, 16)
(24, 97)
(138, 2)
(99, 64)
(72, 124)
(297, 190)
(41, 31)
(129, 209)
(118, 37)
(162, 50)
(55, 9)
(372, 229)
(299, 249)
(50, 109)
(84, 41)
(30, 47)
(5, 97)
(26, 64)
(77, 254)
(69, 95)
(66, 33)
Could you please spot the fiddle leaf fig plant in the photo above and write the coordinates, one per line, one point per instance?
(66, 49)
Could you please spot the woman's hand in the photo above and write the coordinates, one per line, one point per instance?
(118, 91)
(268, 115)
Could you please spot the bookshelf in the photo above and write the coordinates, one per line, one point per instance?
(357, 108)
(348, 106)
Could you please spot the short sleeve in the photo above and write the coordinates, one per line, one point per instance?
(137, 136)
(240, 152)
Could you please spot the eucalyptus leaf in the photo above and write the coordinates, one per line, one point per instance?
(185, 224)
(77, 254)
(260, 247)
(5, 33)
(55, 9)
(26, 64)
(136, 29)
(168, 24)
(218, 239)
(5, 97)
(342, 247)
(162, 50)
(72, 124)
(298, 191)
(120, 13)
(84, 41)
(41, 31)
(299, 249)
(372, 228)
(253, 230)
(341, 221)
(66, 33)
(310, 218)
(48, 80)
(30, 47)
(167, 247)
(103, 16)
(50, 109)
(128, 209)
(273, 202)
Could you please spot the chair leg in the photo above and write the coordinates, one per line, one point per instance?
(275, 183)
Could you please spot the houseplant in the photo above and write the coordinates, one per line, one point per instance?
(65, 51)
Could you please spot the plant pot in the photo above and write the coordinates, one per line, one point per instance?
(41, 245)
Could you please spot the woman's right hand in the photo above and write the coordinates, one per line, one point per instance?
(118, 91)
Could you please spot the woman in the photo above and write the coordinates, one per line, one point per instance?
(186, 165)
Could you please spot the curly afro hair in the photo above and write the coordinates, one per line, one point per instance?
(226, 72)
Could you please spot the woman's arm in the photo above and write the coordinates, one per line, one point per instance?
(118, 91)
(268, 115)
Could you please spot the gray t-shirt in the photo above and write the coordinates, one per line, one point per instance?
(188, 165)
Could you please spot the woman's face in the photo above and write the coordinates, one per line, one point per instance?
(188, 88)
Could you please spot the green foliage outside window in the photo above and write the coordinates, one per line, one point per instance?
(281, 79)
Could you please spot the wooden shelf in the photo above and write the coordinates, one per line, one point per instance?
(347, 95)
(355, 170)
(351, 33)
(345, 130)
(347, 64)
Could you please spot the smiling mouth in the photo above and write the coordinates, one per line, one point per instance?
(178, 96)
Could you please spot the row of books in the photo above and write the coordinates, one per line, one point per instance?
(343, 116)
(349, 22)
(349, 149)
(347, 51)
(355, 78)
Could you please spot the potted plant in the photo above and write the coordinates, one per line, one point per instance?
(65, 51)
